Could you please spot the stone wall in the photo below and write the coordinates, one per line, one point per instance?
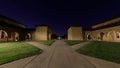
(107, 34)
(42, 33)
(87, 35)
(75, 33)
(11, 34)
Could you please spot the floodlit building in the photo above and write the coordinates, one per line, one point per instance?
(11, 30)
(42, 32)
(75, 33)
(108, 30)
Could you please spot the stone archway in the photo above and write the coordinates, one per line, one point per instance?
(113, 36)
(28, 36)
(3, 35)
(117, 37)
(100, 36)
(15, 36)
(89, 37)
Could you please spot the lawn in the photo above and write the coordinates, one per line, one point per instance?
(105, 50)
(16, 50)
(73, 42)
(46, 42)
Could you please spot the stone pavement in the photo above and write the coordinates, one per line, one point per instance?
(60, 55)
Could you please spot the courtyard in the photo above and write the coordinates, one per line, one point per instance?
(61, 55)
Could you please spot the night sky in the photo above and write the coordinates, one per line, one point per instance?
(58, 14)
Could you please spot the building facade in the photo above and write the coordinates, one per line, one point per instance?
(75, 33)
(42, 32)
(11, 30)
(105, 31)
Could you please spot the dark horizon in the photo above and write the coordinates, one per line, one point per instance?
(59, 15)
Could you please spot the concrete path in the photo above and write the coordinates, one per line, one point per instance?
(60, 55)
(98, 63)
(77, 46)
(41, 46)
(23, 62)
(19, 63)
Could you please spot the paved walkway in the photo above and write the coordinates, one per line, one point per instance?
(60, 55)
(98, 63)
(76, 46)
(41, 46)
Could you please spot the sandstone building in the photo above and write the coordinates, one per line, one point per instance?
(75, 33)
(11, 30)
(42, 32)
(108, 30)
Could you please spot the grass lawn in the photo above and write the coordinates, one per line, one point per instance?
(16, 50)
(73, 42)
(46, 42)
(105, 50)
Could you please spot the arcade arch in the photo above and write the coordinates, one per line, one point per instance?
(113, 36)
(89, 37)
(3, 35)
(28, 36)
(15, 36)
(100, 36)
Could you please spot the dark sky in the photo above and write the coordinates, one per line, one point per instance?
(60, 14)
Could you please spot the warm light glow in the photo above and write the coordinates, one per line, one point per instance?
(3, 35)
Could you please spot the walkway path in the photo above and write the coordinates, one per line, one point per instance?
(41, 46)
(76, 46)
(98, 63)
(60, 55)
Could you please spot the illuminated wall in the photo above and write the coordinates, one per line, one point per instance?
(42, 33)
(11, 30)
(75, 33)
(11, 34)
(107, 34)
(88, 35)
(107, 31)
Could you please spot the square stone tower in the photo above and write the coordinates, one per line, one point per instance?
(75, 33)
(42, 32)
